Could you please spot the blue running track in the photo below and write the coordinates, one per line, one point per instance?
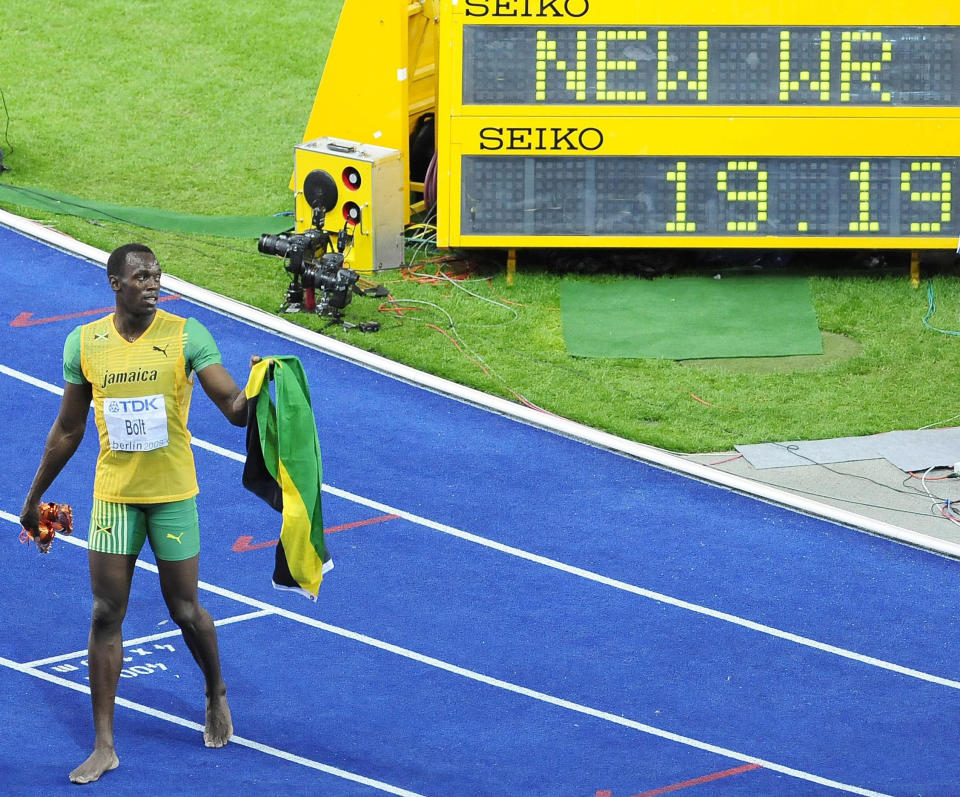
(512, 613)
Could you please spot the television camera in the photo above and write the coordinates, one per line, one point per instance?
(315, 259)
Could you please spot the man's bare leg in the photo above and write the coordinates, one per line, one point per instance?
(178, 582)
(110, 577)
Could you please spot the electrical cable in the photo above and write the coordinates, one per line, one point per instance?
(728, 459)
(455, 281)
(943, 504)
(931, 309)
(938, 423)
(420, 247)
(424, 226)
(792, 489)
(452, 334)
(6, 129)
(430, 187)
(793, 450)
(911, 474)
(494, 302)
(948, 513)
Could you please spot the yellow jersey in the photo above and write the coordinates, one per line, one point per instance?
(141, 400)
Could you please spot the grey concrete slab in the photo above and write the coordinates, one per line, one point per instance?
(909, 450)
(808, 452)
(874, 488)
(921, 449)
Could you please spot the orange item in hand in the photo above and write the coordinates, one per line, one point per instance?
(53, 518)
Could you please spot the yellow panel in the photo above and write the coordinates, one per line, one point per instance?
(422, 60)
(379, 77)
(363, 91)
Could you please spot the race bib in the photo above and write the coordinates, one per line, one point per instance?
(136, 424)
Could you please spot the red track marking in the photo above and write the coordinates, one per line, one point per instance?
(245, 542)
(687, 783)
(27, 319)
(378, 519)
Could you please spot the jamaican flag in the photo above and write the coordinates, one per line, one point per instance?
(283, 468)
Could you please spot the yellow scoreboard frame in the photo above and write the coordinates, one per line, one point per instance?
(704, 123)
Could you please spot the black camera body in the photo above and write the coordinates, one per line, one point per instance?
(333, 281)
(312, 268)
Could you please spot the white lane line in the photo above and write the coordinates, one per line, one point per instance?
(240, 740)
(215, 449)
(507, 686)
(144, 639)
(650, 594)
(589, 575)
(31, 380)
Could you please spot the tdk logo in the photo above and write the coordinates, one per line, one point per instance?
(134, 405)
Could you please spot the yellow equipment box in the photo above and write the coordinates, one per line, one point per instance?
(370, 200)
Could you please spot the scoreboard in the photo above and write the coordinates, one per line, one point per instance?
(707, 124)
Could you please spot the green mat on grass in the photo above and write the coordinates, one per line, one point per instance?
(688, 318)
(224, 226)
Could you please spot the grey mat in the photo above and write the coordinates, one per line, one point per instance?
(915, 450)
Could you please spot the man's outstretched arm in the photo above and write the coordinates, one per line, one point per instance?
(62, 441)
(224, 392)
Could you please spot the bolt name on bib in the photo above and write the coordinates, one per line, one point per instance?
(138, 423)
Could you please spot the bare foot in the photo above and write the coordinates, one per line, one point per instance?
(100, 761)
(219, 726)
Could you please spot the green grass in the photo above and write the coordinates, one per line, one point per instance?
(197, 107)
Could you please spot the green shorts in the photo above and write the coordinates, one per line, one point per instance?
(173, 528)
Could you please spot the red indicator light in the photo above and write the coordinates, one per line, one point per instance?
(351, 212)
(351, 178)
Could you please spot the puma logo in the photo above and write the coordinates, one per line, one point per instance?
(163, 351)
(177, 537)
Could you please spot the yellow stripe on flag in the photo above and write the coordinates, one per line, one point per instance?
(258, 372)
(305, 566)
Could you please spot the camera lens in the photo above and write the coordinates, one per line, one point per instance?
(273, 244)
(311, 277)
